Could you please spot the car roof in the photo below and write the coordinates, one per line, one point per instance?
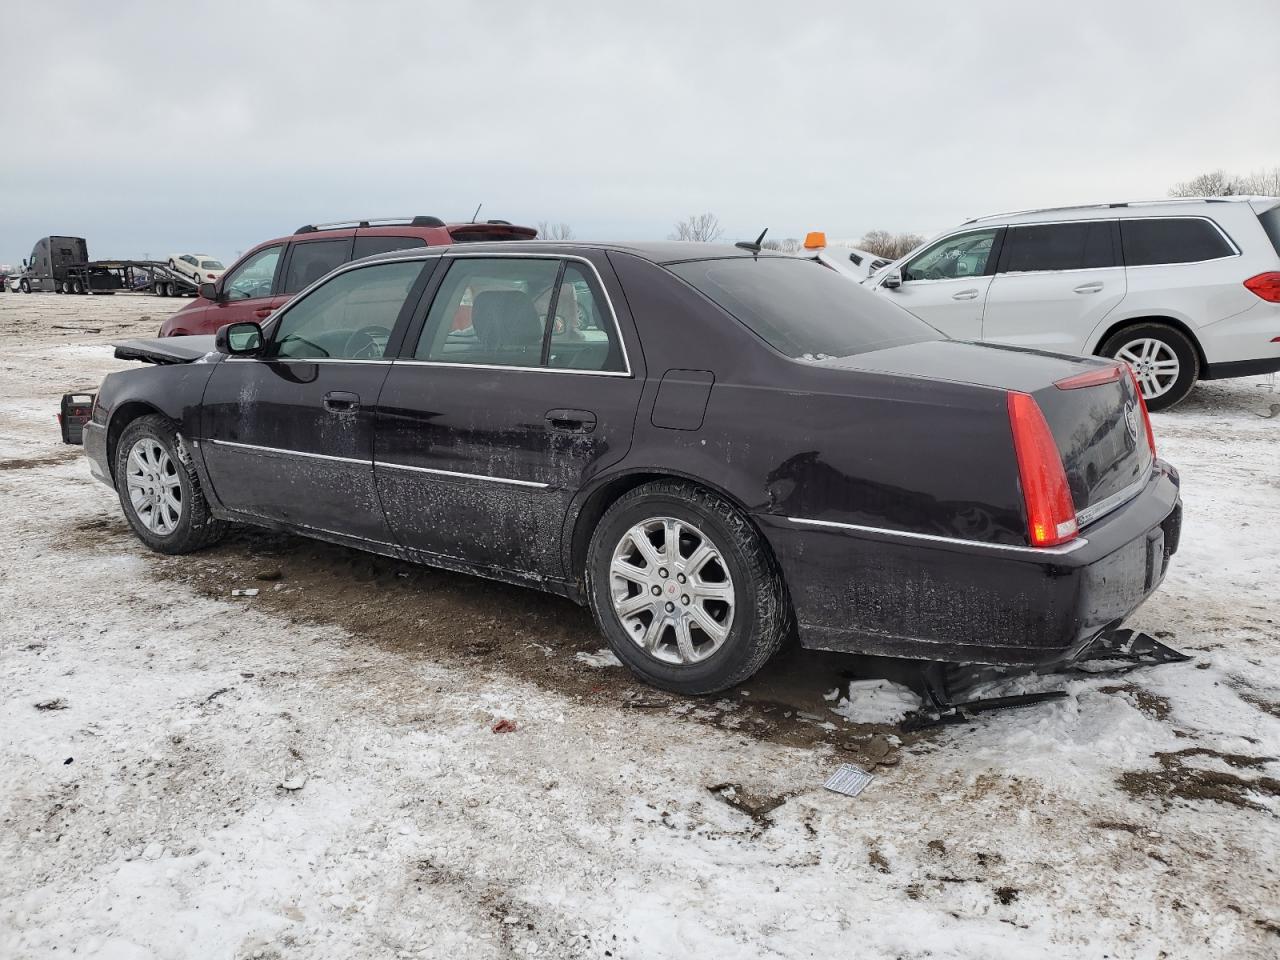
(662, 252)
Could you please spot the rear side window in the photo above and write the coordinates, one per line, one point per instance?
(1271, 223)
(1059, 246)
(311, 261)
(1171, 240)
(520, 312)
(803, 309)
(368, 246)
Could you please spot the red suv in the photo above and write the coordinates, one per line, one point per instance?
(269, 275)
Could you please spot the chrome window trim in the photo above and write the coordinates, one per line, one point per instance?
(1065, 548)
(613, 315)
(357, 265)
(376, 463)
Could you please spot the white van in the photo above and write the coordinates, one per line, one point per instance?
(1183, 290)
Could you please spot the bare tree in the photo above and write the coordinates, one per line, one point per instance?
(889, 245)
(702, 227)
(1216, 183)
(1263, 183)
(554, 231)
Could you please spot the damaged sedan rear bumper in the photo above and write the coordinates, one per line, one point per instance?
(867, 590)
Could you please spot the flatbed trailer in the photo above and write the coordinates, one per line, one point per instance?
(122, 276)
(62, 265)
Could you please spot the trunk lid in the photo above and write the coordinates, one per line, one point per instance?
(1099, 430)
(1101, 435)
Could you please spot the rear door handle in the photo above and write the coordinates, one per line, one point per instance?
(571, 421)
(1093, 287)
(965, 295)
(339, 401)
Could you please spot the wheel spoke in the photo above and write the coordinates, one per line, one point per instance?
(701, 554)
(629, 571)
(712, 591)
(649, 641)
(709, 624)
(684, 642)
(671, 540)
(645, 546)
(630, 606)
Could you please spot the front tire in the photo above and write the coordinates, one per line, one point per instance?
(1163, 359)
(684, 589)
(160, 491)
(24, 285)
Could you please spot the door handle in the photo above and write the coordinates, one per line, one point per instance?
(571, 421)
(1093, 287)
(965, 295)
(262, 312)
(339, 401)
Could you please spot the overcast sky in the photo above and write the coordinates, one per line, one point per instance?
(156, 128)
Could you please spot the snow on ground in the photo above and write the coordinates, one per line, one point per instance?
(287, 776)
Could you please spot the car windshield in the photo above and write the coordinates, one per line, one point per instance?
(211, 265)
(803, 309)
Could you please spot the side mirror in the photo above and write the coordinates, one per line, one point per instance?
(209, 291)
(892, 279)
(238, 339)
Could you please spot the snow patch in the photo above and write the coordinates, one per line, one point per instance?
(876, 701)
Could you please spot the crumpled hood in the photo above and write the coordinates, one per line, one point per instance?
(165, 349)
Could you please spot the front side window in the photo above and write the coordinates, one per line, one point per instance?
(1171, 240)
(311, 261)
(348, 318)
(1059, 246)
(802, 308)
(965, 255)
(253, 277)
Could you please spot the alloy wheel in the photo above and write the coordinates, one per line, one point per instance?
(154, 488)
(1154, 364)
(671, 590)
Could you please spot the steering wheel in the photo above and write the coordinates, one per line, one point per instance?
(294, 338)
(363, 345)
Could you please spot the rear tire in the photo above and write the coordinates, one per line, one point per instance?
(160, 491)
(717, 572)
(1162, 357)
(77, 286)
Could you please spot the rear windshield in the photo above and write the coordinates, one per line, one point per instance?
(1271, 223)
(804, 309)
(211, 265)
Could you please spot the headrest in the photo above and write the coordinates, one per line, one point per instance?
(505, 318)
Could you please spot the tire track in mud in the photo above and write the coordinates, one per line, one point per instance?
(482, 625)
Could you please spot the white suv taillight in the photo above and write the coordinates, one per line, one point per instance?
(1266, 286)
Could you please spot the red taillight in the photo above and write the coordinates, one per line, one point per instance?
(1265, 285)
(1091, 378)
(1142, 402)
(1051, 516)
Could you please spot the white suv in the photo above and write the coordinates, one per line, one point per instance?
(1183, 290)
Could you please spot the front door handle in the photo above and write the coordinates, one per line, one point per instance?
(571, 421)
(965, 295)
(1093, 287)
(262, 312)
(339, 401)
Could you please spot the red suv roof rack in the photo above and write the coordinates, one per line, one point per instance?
(419, 221)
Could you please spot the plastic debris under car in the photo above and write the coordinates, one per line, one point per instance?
(850, 780)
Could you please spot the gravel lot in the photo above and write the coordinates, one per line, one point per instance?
(311, 772)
